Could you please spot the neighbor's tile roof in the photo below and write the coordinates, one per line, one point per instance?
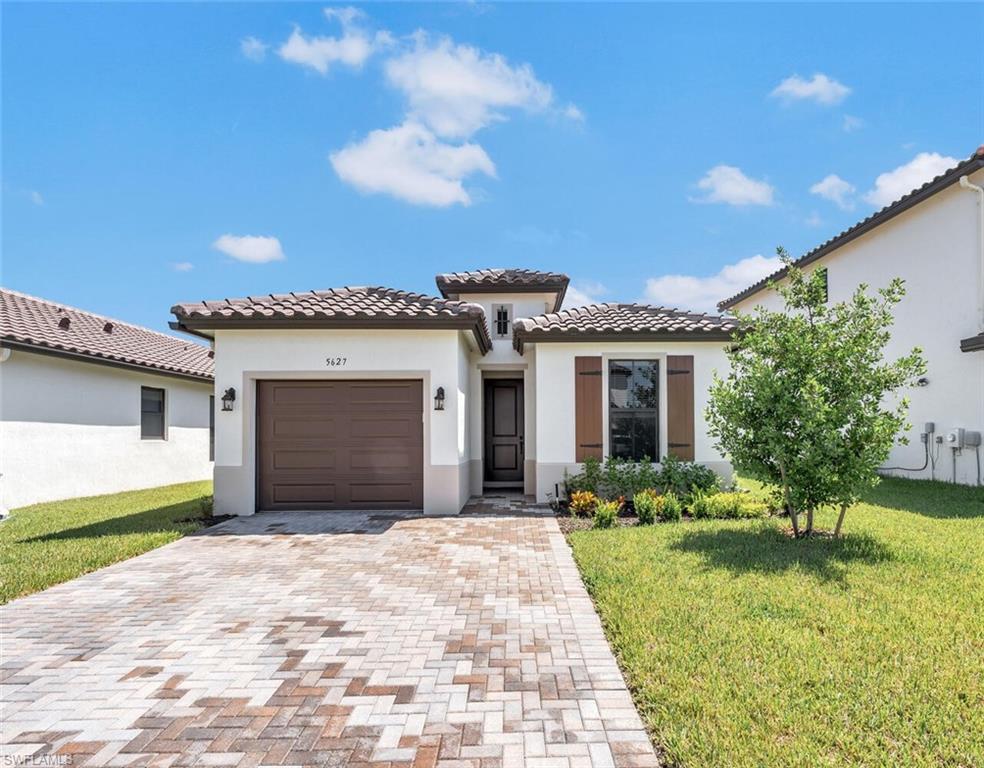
(628, 322)
(364, 307)
(30, 322)
(489, 280)
(971, 165)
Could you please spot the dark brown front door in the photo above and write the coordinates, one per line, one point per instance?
(340, 444)
(504, 424)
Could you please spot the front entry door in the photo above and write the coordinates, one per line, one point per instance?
(504, 424)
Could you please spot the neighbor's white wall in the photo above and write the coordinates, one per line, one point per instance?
(72, 429)
(242, 357)
(554, 412)
(935, 248)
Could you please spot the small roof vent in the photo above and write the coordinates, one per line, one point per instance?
(64, 323)
(108, 328)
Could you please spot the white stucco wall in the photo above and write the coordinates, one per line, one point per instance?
(554, 410)
(70, 429)
(935, 248)
(504, 361)
(243, 357)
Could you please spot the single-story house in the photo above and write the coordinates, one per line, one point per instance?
(91, 405)
(375, 398)
(933, 238)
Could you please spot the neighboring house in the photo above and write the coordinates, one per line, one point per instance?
(90, 405)
(374, 398)
(933, 238)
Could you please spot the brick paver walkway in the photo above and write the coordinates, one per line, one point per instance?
(323, 639)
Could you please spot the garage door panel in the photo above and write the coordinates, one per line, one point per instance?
(312, 459)
(340, 445)
(303, 494)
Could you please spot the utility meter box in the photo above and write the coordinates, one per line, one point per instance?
(955, 438)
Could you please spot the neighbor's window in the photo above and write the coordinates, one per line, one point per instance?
(633, 409)
(826, 284)
(501, 319)
(151, 413)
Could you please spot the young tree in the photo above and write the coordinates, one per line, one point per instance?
(811, 405)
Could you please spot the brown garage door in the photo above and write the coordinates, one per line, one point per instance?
(341, 445)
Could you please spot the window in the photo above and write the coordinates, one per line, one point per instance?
(501, 319)
(151, 413)
(211, 427)
(826, 284)
(633, 409)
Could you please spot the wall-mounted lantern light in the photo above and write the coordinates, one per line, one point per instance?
(228, 399)
(439, 399)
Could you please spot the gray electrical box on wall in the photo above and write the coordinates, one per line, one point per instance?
(960, 438)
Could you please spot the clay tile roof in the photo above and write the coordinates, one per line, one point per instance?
(622, 322)
(452, 284)
(28, 322)
(352, 307)
(972, 164)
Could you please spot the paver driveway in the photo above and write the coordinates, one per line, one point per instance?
(323, 639)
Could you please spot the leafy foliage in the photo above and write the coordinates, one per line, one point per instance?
(644, 503)
(606, 513)
(623, 478)
(733, 505)
(669, 509)
(582, 503)
(810, 404)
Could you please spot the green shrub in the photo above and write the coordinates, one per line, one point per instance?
(582, 503)
(615, 478)
(685, 478)
(606, 513)
(644, 503)
(669, 509)
(732, 505)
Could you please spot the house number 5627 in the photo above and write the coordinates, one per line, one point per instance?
(335, 362)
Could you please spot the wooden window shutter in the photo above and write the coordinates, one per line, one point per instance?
(680, 406)
(587, 408)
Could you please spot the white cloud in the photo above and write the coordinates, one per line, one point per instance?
(573, 112)
(703, 293)
(352, 49)
(583, 292)
(253, 48)
(820, 89)
(813, 220)
(836, 190)
(852, 124)
(412, 164)
(892, 185)
(727, 184)
(35, 197)
(455, 90)
(182, 266)
(252, 249)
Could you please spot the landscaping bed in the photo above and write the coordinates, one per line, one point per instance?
(46, 544)
(746, 647)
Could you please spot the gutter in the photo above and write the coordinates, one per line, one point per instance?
(965, 183)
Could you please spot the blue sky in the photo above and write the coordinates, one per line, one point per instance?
(161, 153)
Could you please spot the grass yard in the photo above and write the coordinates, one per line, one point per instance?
(746, 648)
(46, 544)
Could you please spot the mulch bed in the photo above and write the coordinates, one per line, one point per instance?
(570, 524)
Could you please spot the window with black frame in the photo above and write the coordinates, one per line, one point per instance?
(633, 409)
(152, 413)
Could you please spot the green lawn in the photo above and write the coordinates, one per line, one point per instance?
(46, 544)
(746, 648)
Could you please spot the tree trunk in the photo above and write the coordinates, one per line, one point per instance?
(809, 521)
(840, 521)
(789, 504)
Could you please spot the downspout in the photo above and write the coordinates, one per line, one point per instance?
(966, 184)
